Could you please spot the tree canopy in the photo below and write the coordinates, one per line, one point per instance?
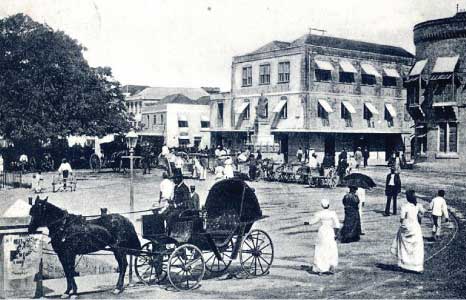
(48, 90)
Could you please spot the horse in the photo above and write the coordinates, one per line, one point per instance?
(73, 235)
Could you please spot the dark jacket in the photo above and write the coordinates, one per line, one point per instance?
(181, 196)
(397, 187)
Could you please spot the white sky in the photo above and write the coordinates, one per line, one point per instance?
(191, 43)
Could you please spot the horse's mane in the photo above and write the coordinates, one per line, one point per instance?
(72, 217)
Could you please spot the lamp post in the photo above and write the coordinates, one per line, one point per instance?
(131, 141)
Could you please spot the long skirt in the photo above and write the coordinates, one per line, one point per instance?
(408, 246)
(326, 251)
(351, 230)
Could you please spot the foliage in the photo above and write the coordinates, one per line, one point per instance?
(48, 89)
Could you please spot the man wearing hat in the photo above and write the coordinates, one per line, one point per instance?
(392, 189)
(181, 195)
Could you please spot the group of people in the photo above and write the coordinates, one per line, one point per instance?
(64, 172)
(408, 244)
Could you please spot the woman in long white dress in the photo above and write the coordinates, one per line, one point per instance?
(326, 250)
(228, 170)
(408, 245)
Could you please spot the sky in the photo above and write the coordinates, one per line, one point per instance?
(190, 43)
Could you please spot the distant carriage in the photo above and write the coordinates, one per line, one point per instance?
(206, 240)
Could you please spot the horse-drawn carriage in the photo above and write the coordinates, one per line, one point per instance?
(210, 239)
(327, 178)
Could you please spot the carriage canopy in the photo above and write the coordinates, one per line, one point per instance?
(233, 194)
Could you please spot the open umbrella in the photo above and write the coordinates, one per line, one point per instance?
(359, 180)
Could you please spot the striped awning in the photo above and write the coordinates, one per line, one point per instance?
(325, 105)
(371, 108)
(370, 70)
(240, 109)
(391, 110)
(445, 64)
(349, 107)
(347, 67)
(418, 67)
(323, 65)
(389, 72)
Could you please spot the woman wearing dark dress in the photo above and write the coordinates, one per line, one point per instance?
(352, 224)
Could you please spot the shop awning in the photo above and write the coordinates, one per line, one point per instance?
(441, 76)
(371, 108)
(205, 119)
(445, 64)
(182, 117)
(389, 72)
(391, 110)
(370, 70)
(278, 108)
(444, 104)
(347, 67)
(349, 107)
(418, 68)
(325, 106)
(324, 65)
(240, 109)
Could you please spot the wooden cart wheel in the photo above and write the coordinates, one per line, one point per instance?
(186, 267)
(256, 253)
(151, 269)
(216, 266)
(95, 163)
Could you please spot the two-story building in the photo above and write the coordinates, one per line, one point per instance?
(318, 92)
(436, 90)
(178, 121)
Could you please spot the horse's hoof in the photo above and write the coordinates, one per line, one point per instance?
(65, 296)
(117, 291)
(74, 296)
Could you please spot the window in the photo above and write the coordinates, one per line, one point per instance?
(284, 112)
(246, 113)
(388, 117)
(389, 81)
(220, 111)
(368, 116)
(264, 74)
(155, 120)
(161, 119)
(346, 77)
(284, 72)
(448, 137)
(205, 124)
(368, 79)
(322, 114)
(247, 76)
(323, 75)
(346, 115)
(182, 124)
(183, 142)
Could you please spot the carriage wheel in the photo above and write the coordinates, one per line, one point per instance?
(186, 267)
(95, 163)
(213, 265)
(256, 254)
(151, 269)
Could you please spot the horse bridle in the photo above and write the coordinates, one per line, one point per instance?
(61, 228)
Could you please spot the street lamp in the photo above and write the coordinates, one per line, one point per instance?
(131, 141)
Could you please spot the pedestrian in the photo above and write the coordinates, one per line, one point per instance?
(217, 151)
(37, 182)
(313, 164)
(167, 188)
(194, 198)
(392, 189)
(306, 154)
(204, 163)
(299, 154)
(408, 245)
(219, 172)
(358, 157)
(365, 155)
(351, 230)
(181, 193)
(179, 163)
(439, 208)
(1, 164)
(64, 170)
(23, 161)
(228, 169)
(326, 250)
(362, 201)
(252, 167)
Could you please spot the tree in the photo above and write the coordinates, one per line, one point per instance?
(48, 90)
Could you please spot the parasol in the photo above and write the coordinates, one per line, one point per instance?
(359, 180)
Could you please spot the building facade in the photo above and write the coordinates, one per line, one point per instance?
(317, 92)
(178, 121)
(436, 96)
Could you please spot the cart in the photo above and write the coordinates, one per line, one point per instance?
(209, 240)
(328, 179)
(58, 183)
